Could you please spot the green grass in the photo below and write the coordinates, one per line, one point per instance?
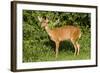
(38, 51)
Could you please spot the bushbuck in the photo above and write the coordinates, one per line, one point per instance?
(59, 34)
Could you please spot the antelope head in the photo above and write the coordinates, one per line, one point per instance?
(44, 21)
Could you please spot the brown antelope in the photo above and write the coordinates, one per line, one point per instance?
(59, 34)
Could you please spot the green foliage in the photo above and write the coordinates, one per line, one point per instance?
(37, 45)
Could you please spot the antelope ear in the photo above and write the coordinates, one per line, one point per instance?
(47, 20)
(39, 18)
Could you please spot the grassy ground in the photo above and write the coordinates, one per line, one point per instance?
(37, 52)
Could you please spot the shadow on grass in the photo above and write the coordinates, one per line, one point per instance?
(66, 46)
(63, 46)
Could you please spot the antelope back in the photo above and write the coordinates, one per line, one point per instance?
(65, 33)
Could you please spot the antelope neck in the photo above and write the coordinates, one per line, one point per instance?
(48, 30)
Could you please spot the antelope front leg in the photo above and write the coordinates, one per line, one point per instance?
(57, 47)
